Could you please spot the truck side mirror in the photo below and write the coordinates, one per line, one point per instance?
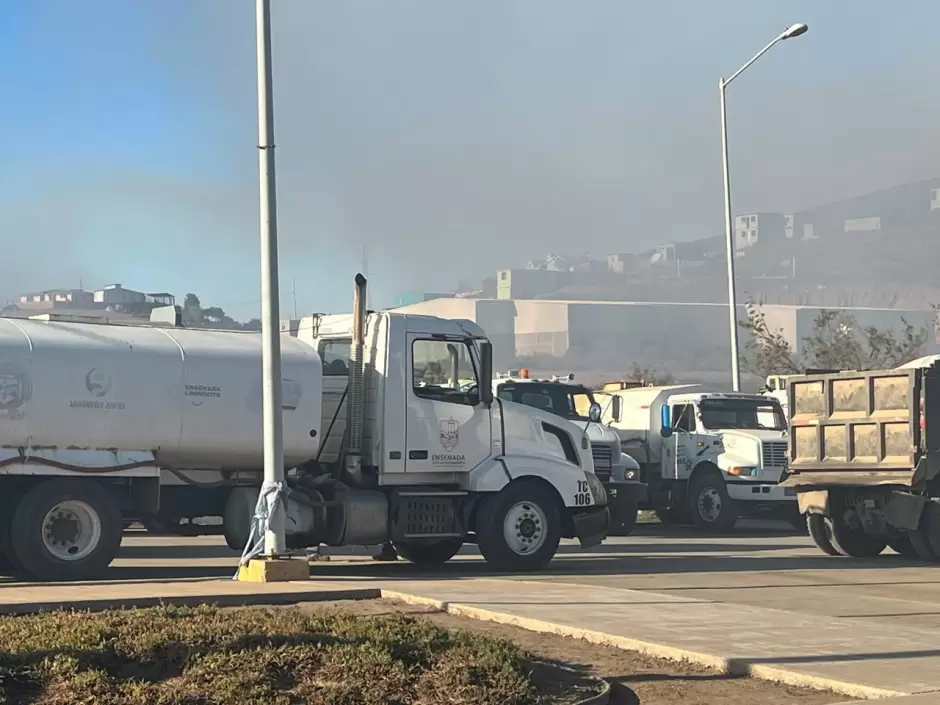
(615, 408)
(665, 423)
(486, 372)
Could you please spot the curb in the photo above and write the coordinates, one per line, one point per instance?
(234, 600)
(732, 666)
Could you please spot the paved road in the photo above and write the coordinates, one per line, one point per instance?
(769, 569)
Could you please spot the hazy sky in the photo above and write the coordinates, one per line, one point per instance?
(449, 136)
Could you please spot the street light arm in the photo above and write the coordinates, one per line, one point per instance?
(756, 57)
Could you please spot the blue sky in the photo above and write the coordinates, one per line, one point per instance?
(449, 137)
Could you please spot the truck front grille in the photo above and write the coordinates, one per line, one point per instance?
(602, 461)
(774, 454)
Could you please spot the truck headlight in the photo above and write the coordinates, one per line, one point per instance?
(629, 474)
(597, 489)
(743, 471)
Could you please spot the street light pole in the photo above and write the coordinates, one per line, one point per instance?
(792, 31)
(274, 544)
(730, 246)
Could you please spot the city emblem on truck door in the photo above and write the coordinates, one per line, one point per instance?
(449, 438)
(450, 434)
(16, 389)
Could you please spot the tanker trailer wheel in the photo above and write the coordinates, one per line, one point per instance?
(820, 530)
(65, 530)
(428, 552)
(519, 527)
(711, 508)
(623, 517)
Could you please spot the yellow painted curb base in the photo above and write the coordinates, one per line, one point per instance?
(274, 570)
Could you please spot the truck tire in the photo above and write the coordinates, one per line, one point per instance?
(820, 530)
(429, 553)
(519, 527)
(711, 508)
(623, 517)
(930, 525)
(921, 544)
(855, 543)
(65, 530)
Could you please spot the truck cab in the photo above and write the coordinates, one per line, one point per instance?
(709, 456)
(564, 397)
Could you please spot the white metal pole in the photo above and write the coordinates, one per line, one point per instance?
(270, 318)
(729, 244)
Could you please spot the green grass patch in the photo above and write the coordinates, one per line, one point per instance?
(206, 655)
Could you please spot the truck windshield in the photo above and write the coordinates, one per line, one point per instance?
(564, 400)
(742, 413)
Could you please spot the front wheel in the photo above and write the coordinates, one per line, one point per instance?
(623, 517)
(65, 530)
(711, 508)
(428, 553)
(519, 527)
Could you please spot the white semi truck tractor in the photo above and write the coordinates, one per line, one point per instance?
(102, 423)
(707, 456)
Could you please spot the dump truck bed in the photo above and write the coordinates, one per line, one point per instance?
(863, 428)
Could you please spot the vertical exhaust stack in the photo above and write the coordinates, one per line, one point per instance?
(355, 403)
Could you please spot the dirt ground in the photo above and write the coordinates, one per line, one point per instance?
(637, 679)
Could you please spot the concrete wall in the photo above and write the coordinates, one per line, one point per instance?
(692, 335)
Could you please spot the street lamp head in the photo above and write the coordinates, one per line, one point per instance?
(794, 30)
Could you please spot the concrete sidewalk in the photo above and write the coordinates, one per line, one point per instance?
(851, 657)
(855, 658)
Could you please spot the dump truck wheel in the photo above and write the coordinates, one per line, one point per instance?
(853, 542)
(429, 553)
(820, 530)
(902, 545)
(930, 525)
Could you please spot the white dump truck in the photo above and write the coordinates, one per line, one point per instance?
(564, 397)
(707, 456)
(108, 422)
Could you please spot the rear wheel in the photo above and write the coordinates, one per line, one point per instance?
(711, 508)
(428, 553)
(519, 527)
(901, 544)
(854, 541)
(65, 530)
(930, 525)
(820, 530)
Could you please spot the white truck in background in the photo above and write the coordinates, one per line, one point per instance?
(707, 456)
(564, 397)
(109, 422)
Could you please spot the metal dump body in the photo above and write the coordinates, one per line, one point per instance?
(862, 427)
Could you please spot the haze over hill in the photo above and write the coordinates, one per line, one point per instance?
(451, 138)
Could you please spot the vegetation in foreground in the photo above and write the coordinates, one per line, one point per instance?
(206, 655)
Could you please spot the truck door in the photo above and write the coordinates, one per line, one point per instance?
(679, 456)
(447, 429)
